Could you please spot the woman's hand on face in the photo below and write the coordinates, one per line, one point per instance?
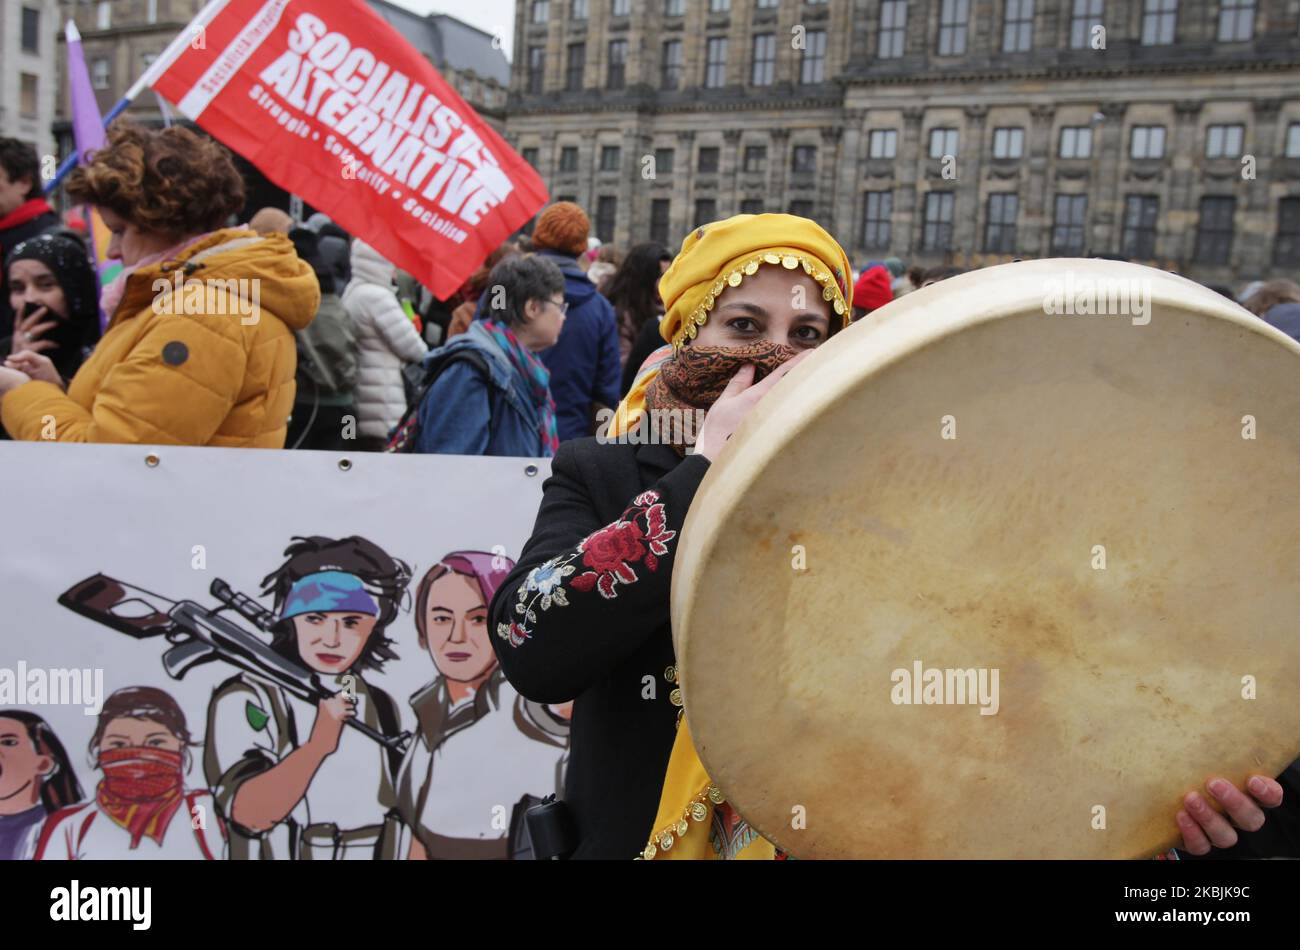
(736, 402)
(28, 331)
(11, 379)
(36, 366)
(1203, 827)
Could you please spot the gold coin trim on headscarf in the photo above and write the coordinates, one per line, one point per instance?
(747, 267)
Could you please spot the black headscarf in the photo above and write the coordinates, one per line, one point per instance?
(68, 261)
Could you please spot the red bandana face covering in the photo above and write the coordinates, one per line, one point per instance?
(696, 376)
(141, 789)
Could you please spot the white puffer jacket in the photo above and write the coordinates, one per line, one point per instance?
(386, 339)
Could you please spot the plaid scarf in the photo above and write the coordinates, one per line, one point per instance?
(537, 376)
(697, 375)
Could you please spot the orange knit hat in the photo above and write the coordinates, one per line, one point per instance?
(562, 227)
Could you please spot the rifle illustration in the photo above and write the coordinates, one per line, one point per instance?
(200, 635)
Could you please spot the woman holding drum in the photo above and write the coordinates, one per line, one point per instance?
(585, 614)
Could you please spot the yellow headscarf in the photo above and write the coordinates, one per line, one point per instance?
(713, 258)
(721, 255)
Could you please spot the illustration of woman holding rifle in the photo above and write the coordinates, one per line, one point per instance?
(301, 793)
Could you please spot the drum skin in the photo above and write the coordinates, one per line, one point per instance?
(1098, 531)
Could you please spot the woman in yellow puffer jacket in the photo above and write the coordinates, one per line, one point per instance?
(199, 348)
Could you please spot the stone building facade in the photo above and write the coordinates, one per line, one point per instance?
(940, 131)
(28, 81)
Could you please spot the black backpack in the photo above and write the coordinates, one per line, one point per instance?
(406, 433)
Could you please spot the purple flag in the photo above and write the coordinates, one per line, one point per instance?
(88, 134)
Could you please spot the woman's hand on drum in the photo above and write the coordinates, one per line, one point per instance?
(735, 403)
(1203, 827)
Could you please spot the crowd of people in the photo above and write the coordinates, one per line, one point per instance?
(552, 334)
(538, 344)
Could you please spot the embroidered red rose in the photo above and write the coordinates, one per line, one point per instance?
(610, 547)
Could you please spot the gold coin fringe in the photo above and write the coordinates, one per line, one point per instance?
(813, 268)
(695, 812)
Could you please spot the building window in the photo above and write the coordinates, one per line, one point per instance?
(755, 158)
(1159, 22)
(1236, 20)
(814, 57)
(31, 30)
(1286, 250)
(621, 7)
(706, 211)
(1000, 228)
(575, 65)
(659, 208)
(1139, 239)
(541, 11)
(617, 64)
(606, 214)
(151, 11)
(751, 206)
(1224, 141)
(882, 143)
(148, 59)
(804, 159)
(893, 29)
(1018, 27)
(1084, 15)
(536, 68)
(103, 15)
(719, 6)
(1069, 224)
(1008, 142)
(672, 69)
(530, 156)
(1292, 140)
(953, 17)
(579, 10)
(943, 142)
(937, 233)
(876, 214)
(1148, 142)
(674, 7)
(801, 208)
(27, 96)
(663, 161)
(99, 73)
(611, 156)
(569, 158)
(767, 4)
(707, 162)
(1214, 230)
(715, 63)
(764, 59)
(1076, 141)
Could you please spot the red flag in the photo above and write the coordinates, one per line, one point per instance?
(332, 104)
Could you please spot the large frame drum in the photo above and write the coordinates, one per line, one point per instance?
(1099, 508)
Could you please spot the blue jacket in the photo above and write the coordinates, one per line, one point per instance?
(466, 413)
(584, 363)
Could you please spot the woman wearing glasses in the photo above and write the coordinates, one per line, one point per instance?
(486, 392)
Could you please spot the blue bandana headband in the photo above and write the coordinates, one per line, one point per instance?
(328, 591)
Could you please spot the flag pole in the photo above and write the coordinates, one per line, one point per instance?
(160, 65)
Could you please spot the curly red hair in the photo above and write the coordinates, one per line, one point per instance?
(167, 181)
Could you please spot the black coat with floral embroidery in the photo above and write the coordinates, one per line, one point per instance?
(584, 616)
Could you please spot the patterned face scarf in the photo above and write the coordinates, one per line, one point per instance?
(538, 377)
(141, 789)
(696, 376)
